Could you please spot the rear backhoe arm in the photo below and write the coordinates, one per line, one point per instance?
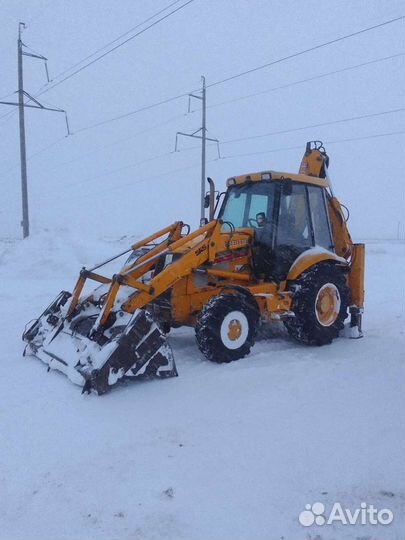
(341, 235)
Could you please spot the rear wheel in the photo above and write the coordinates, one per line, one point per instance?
(320, 302)
(226, 327)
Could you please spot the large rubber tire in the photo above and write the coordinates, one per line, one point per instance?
(307, 326)
(226, 327)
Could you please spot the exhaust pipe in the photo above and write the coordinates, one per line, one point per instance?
(211, 198)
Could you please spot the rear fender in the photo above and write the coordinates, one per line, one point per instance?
(310, 258)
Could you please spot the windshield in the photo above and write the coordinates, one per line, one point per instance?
(249, 205)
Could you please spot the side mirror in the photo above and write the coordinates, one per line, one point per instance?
(207, 201)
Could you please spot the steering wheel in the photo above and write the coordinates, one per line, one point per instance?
(251, 223)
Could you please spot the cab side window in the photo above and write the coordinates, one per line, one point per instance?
(294, 228)
(319, 217)
(235, 208)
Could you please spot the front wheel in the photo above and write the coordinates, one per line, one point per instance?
(320, 302)
(226, 327)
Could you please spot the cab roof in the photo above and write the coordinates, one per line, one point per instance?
(274, 175)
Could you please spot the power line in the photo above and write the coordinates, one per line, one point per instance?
(160, 175)
(36, 153)
(343, 120)
(226, 141)
(130, 166)
(301, 81)
(185, 94)
(321, 124)
(376, 136)
(45, 148)
(7, 95)
(166, 172)
(370, 62)
(115, 48)
(300, 128)
(173, 98)
(305, 51)
(103, 147)
(130, 113)
(124, 139)
(116, 39)
(8, 115)
(229, 141)
(336, 141)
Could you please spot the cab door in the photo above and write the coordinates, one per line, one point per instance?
(294, 232)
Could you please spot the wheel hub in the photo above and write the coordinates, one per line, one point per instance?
(327, 304)
(234, 329)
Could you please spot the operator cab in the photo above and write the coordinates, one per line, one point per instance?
(287, 212)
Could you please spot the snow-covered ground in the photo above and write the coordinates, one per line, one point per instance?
(222, 451)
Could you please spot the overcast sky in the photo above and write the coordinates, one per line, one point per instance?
(120, 178)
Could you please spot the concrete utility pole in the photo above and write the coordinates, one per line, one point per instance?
(203, 137)
(21, 106)
(23, 155)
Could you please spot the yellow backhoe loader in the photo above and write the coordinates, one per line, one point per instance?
(277, 250)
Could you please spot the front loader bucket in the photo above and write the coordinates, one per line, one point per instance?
(133, 347)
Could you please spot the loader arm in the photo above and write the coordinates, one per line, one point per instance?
(174, 233)
(201, 252)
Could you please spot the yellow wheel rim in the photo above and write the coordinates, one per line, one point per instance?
(327, 304)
